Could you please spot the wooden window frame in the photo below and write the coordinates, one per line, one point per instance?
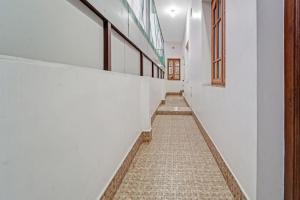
(292, 99)
(169, 77)
(217, 77)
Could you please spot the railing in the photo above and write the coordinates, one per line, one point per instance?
(107, 34)
(145, 16)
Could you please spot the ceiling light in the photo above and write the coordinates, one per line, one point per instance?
(173, 11)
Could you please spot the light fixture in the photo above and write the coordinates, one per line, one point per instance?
(173, 12)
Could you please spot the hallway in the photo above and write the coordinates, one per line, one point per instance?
(149, 100)
(176, 164)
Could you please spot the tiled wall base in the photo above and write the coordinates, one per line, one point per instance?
(229, 178)
(180, 112)
(117, 179)
(173, 93)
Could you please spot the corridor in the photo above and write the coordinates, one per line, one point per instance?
(176, 164)
(149, 100)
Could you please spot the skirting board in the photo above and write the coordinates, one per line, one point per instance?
(174, 93)
(115, 183)
(155, 113)
(228, 176)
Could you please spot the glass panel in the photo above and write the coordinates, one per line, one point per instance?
(170, 63)
(146, 17)
(170, 70)
(216, 43)
(219, 71)
(215, 70)
(177, 64)
(177, 70)
(219, 8)
(220, 41)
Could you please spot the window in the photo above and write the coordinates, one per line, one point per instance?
(218, 43)
(139, 7)
(174, 69)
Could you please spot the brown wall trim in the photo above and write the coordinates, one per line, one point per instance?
(107, 45)
(141, 64)
(119, 176)
(292, 99)
(228, 176)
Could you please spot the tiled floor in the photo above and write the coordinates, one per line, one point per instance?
(177, 164)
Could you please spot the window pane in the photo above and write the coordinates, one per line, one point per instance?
(216, 43)
(219, 8)
(177, 70)
(215, 70)
(219, 70)
(170, 70)
(220, 40)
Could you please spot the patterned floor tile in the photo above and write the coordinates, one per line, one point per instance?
(177, 164)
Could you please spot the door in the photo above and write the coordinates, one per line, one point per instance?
(174, 69)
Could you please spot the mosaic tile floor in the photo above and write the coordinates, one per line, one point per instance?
(177, 164)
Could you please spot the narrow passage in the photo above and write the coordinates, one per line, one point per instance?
(176, 164)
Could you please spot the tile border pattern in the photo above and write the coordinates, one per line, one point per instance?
(228, 176)
(174, 93)
(174, 113)
(119, 176)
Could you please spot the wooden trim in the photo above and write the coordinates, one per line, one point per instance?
(152, 70)
(172, 76)
(292, 99)
(107, 45)
(141, 64)
(219, 59)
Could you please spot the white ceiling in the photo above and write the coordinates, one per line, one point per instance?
(173, 28)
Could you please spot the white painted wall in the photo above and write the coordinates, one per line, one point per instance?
(228, 114)
(270, 164)
(173, 86)
(65, 130)
(244, 119)
(51, 31)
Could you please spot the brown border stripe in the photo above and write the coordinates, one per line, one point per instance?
(228, 176)
(119, 176)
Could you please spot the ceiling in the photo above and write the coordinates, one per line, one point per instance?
(173, 28)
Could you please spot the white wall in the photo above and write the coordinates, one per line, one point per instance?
(245, 118)
(51, 31)
(65, 130)
(270, 183)
(173, 86)
(228, 114)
